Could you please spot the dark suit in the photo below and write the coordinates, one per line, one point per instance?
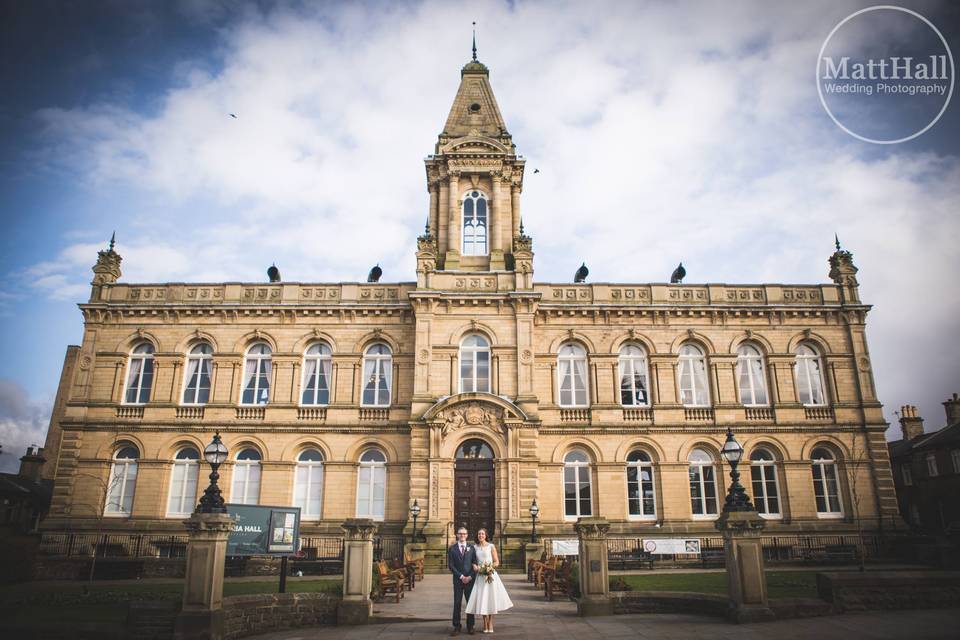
(461, 565)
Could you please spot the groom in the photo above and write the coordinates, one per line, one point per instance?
(460, 560)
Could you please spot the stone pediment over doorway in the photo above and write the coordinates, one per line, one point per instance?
(473, 410)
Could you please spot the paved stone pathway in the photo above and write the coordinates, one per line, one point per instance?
(425, 613)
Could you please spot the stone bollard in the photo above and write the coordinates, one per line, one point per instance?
(356, 606)
(594, 597)
(201, 616)
(743, 553)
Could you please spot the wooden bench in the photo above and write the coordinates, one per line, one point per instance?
(533, 562)
(712, 557)
(558, 580)
(391, 581)
(414, 565)
(630, 559)
(540, 568)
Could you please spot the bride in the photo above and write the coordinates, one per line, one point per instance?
(487, 598)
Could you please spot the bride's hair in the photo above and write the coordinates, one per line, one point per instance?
(485, 534)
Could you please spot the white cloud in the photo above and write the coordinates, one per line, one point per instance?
(23, 423)
(663, 132)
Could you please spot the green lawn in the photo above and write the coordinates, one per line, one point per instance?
(780, 584)
(61, 606)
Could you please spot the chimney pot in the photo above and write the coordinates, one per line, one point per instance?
(911, 424)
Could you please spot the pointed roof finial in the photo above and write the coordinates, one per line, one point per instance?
(113, 240)
(836, 240)
(474, 41)
(426, 227)
(521, 226)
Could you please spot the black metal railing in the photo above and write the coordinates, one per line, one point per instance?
(388, 548)
(113, 545)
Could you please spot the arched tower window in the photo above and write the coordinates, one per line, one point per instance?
(572, 375)
(308, 485)
(633, 376)
(474, 223)
(809, 377)
(246, 477)
(641, 501)
(577, 495)
(377, 374)
(826, 486)
(751, 376)
(372, 485)
(123, 481)
(256, 374)
(474, 364)
(196, 389)
(139, 374)
(763, 477)
(183, 483)
(317, 363)
(703, 484)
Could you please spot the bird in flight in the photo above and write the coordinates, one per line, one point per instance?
(536, 170)
(232, 115)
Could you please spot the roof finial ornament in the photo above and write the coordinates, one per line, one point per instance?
(836, 239)
(474, 41)
(521, 226)
(113, 240)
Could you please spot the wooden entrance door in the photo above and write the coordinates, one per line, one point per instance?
(473, 498)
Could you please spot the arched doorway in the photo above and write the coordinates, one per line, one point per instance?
(474, 487)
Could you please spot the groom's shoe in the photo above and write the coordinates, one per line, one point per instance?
(469, 631)
(455, 632)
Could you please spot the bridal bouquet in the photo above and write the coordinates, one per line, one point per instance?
(486, 569)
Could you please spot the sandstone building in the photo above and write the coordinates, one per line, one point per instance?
(474, 390)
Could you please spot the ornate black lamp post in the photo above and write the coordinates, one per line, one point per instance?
(215, 454)
(534, 510)
(737, 498)
(414, 511)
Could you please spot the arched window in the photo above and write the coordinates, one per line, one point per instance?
(474, 365)
(751, 375)
(377, 375)
(703, 484)
(633, 376)
(641, 501)
(577, 498)
(196, 389)
(308, 484)
(317, 363)
(766, 490)
(826, 486)
(473, 450)
(139, 374)
(372, 484)
(246, 477)
(693, 377)
(474, 224)
(183, 482)
(809, 377)
(572, 375)
(256, 375)
(123, 481)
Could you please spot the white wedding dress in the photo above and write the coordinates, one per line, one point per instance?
(487, 597)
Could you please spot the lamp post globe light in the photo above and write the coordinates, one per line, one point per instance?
(534, 510)
(215, 454)
(737, 498)
(414, 511)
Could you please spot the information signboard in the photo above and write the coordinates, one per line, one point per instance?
(671, 546)
(261, 530)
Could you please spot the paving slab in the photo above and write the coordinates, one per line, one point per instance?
(425, 613)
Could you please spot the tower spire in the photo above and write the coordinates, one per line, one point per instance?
(113, 240)
(474, 41)
(836, 239)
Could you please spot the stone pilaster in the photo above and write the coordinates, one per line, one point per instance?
(594, 597)
(356, 606)
(201, 616)
(743, 552)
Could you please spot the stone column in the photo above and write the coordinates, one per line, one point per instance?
(594, 597)
(515, 208)
(356, 606)
(496, 225)
(743, 553)
(201, 616)
(453, 226)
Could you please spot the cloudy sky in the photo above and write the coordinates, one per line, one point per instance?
(662, 131)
